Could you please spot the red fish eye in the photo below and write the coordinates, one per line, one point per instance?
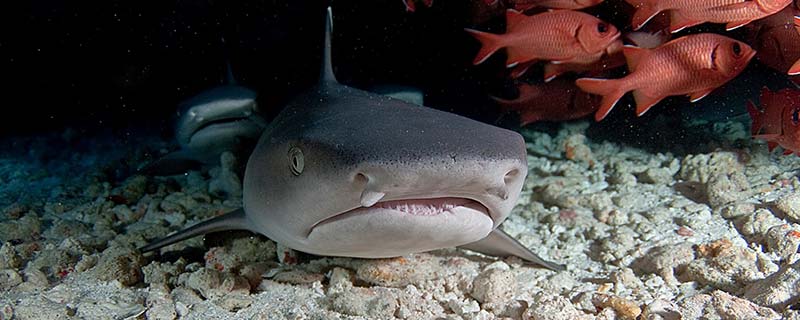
(737, 49)
(602, 27)
(796, 116)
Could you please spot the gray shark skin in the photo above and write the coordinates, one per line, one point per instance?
(346, 172)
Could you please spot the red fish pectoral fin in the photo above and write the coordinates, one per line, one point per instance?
(611, 90)
(633, 55)
(644, 13)
(490, 43)
(787, 152)
(736, 24)
(795, 69)
(520, 69)
(644, 102)
(515, 56)
(678, 22)
(771, 146)
(696, 96)
(410, 5)
(551, 71)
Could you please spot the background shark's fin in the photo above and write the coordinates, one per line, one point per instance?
(234, 220)
(326, 75)
(499, 243)
(229, 79)
(176, 162)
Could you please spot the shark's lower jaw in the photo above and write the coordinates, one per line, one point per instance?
(399, 227)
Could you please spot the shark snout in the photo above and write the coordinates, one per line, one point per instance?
(494, 184)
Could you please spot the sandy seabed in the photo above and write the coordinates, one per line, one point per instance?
(709, 234)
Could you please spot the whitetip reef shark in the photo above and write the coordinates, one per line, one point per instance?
(345, 172)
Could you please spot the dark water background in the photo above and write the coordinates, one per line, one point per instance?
(114, 64)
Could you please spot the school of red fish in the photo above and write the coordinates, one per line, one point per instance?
(663, 57)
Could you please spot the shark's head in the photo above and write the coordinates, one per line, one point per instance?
(370, 176)
(346, 172)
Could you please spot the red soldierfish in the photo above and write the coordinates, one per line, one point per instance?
(561, 36)
(559, 100)
(522, 5)
(693, 65)
(795, 68)
(776, 40)
(734, 15)
(610, 59)
(779, 120)
(647, 9)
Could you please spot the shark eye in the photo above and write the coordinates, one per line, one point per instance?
(602, 27)
(296, 161)
(737, 49)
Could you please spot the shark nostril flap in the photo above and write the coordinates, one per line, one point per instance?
(369, 198)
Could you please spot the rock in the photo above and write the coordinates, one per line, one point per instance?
(778, 290)
(297, 277)
(783, 240)
(724, 189)
(663, 176)
(755, 225)
(552, 307)
(160, 305)
(9, 278)
(240, 251)
(27, 228)
(701, 167)
(163, 272)
(624, 308)
(494, 288)
(575, 148)
(123, 264)
(54, 262)
(735, 210)
(402, 271)
(722, 265)
(790, 206)
(721, 305)
(661, 310)
(9, 259)
(376, 303)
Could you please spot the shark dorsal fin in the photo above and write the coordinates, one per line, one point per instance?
(326, 75)
(229, 79)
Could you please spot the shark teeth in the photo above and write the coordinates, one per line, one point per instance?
(370, 198)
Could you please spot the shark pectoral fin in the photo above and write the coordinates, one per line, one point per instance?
(173, 163)
(234, 220)
(499, 243)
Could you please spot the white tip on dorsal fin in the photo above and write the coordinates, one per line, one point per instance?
(327, 65)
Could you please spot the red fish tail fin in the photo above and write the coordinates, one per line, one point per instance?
(490, 43)
(756, 116)
(611, 89)
(645, 11)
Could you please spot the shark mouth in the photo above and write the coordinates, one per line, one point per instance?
(413, 207)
